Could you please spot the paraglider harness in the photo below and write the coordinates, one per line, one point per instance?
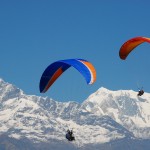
(70, 135)
(140, 93)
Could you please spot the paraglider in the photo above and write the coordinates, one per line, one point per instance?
(141, 92)
(56, 69)
(69, 135)
(130, 45)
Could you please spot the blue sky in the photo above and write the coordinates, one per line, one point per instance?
(35, 33)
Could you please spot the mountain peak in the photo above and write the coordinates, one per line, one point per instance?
(103, 89)
(1, 81)
(8, 91)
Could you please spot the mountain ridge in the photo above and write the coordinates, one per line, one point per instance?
(105, 116)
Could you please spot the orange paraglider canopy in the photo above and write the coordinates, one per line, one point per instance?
(129, 45)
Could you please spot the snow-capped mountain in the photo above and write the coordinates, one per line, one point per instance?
(106, 116)
(123, 106)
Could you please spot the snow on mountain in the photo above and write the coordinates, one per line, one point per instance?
(105, 116)
(8, 91)
(125, 107)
